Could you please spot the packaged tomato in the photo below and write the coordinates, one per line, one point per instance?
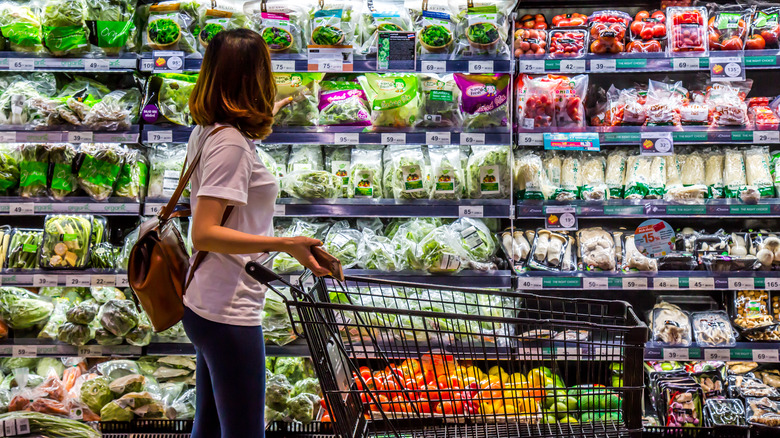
(567, 43)
(727, 26)
(529, 21)
(535, 101)
(652, 46)
(761, 115)
(764, 28)
(608, 31)
(530, 42)
(686, 28)
(647, 26)
(570, 94)
(664, 101)
(569, 20)
(726, 102)
(626, 107)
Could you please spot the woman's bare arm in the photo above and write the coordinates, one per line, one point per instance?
(209, 235)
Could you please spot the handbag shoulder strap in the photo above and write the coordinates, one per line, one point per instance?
(165, 212)
(201, 255)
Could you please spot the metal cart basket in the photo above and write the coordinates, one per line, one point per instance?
(410, 360)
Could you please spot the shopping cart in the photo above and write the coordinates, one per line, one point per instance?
(409, 360)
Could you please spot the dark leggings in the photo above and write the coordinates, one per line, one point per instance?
(230, 378)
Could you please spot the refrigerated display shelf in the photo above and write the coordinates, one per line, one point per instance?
(474, 279)
(631, 135)
(72, 278)
(297, 348)
(25, 62)
(656, 208)
(663, 280)
(17, 206)
(762, 352)
(69, 134)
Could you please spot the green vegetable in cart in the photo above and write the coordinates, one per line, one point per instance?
(51, 426)
(66, 241)
(277, 391)
(99, 171)
(9, 168)
(21, 309)
(64, 27)
(82, 313)
(63, 181)
(134, 176)
(75, 334)
(50, 366)
(23, 249)
(20, 27)
(118, 317)
(33, 170)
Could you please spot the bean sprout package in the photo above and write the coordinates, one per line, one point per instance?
(663, 104)
(483, 27)
(334, 23)
(727, 105)
(284, 25)
(381, 16)
(343, 102)
(304, 90)
(394, 99)
(434, 22)
(484, 100)
(171, 25)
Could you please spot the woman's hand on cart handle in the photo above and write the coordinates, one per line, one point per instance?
(278, 105)
(300, 248)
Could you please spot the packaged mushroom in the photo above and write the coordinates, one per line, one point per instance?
(713, 329)
(769, 377)
(713, 173)
(515, 245)
(767, 249)
(616, 173)
(548, 250)
(634, 260)
(671, 325)
(711, 382)
(724, 412)
(763, 411)
(594, 187)
(750, 310)
(759, 178)
(684, 174)
(597, 250)
(725, 252)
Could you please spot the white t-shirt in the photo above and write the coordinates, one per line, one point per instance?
(221, 290)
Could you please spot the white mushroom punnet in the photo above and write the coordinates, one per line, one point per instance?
(638, 260)
(598, 248)
(554, 250)
(738, 248)
(522, 244)
(568, 262)
(542, 243)
(765, 257)
(771, 244)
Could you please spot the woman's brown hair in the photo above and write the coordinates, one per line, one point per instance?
(236, 85)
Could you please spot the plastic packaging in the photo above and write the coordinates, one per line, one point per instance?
(64, 27)
(597, 250)
(671, 325)
(21, 27)
(536, 102)
(447, 174)
(686, 26)
(377, 252)
(548, 250)
(567, 43)
(734, 173)
(727, 104)
(634, 260)
(381, 16)
(365, 179)
(713, 173)
(761, 115)
(63, 181)
(394, 98)
(727, 26)
(488, 174)
(99, 169)
(343, 102)
(334, 23)
(435, 26)
(66, 241)
(636, 185)
(483, 29)
(728, 412)
(166, 162)
(484, 100)
(134, 177)
(608, 31)
(571, 178)
(626, 107)
(570, 94)
(33, 170)
(757, 171)
(530, 169)
(440, 102)
(615, 173)
(410, 177)
(23, 248)
(764, 28)
(282, 24)
(713, 329)
(648, 33)
(171, 25)
(441, 251)
(530, 43)
(663, 103)
(763, 412)
(304, 89)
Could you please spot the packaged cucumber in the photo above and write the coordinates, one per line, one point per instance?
(23, 248)
(66, 241)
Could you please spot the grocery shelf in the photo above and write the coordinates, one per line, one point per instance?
(656, 208)
(75, 278)
(663, 280)
(742, 351)
(297, 348)
(493, 208)
(21, 61)
(631, 135)
(69, 134)
(342, 135)
(33, 347)
(17, 206)
(474, 279)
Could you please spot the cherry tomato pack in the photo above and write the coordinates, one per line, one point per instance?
(551, 101)
(687, 30)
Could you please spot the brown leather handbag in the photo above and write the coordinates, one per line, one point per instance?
(158, 264)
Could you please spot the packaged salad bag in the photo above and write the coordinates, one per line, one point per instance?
(304, 89)
(64, 27)
(381, 16)
(20, 27)
(483, 27)
(171, 25)
(440, 102)
(217, 20)
(167, 98)
(365, 173)
(284, 25)
(484, 100)
(434, 22)
(343, 102)
(63, 181)
(488, 172)
(111, 26)
(446, 172)
(394, 98)
(409, 174)
(334, 23)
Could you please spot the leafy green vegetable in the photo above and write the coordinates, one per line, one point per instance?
(141, 335)
(483, 33)
(440, 102)
(303, 88)
(8, 364)
(64, 27)
(377, 252)
(96, 394)
(103, 256)
(111, 25)
(51, 426)
(66, 241)
(277, 391)
(408, 235)
(277, 38)
(82, 313)
(484, 29)
(166, 162)
(99, 171)
(281, 23)
(23, 249)
(446, 172)
(277, 327)
(307, 386)
(312, 184)
(381, 16)
(63, 181)
(305, 157)
(114, 412)
(51, 330)
(118, 317)
(33, 170)
(9, 168)
(327, 35)
(173, 97)
(134, 176)
(50, 366)
(284, 263)
(294, 368)
(410, 177)
(484, 100)
(21, 309)
(342, 243)
(436, 35)
(343, 102)
(365, 173)
(105, 294)
(332, 22)
(75, 334)
(164, 31)
(303, 407)
(488, 172)
(476, 238)
(441, 251)
(394, 98)
(105, 337)
(21, 27)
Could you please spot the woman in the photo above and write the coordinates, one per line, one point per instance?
(222, 317)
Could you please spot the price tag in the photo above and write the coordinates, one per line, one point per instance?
(573, 66)
(530, 139)
(22, 426)
(567, 353)
(531, 67)
(147, 64)
(717, 355)
(766, 137)
(729, 68)
(603, 65)
(78, 281)
(678, 354)
(282, 66)
(635, 283)
(437, 138)
(121, 280)
(81, 137)
(481, 66)
(596, 283)
(332, 65)
(21, 208)
(7, 137)
(45, 280)
(685, 63)
(24, 351)
(656, 143)
(530, 283)
(152, 209)
(666, 283)
(473, 138)
(97, 65)
(696, 283)
(561, 218)
(772, 283)
(745, 283)
(433, 66)
(765, 356)
(471, 210)
(159, 137)
(90, 351)
(103, 280)
(9, 427)
(346, 138)
(167, 61)
(21, 64)
(394, 138)
(280, 210)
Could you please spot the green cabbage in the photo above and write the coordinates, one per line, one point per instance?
(51, 330)
(50, 365)
(95, 393)
(82, 313)
(277, 391)
(21, 309)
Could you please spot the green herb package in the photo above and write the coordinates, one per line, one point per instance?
(410, 175)
(484, 100)
(9, 168)
(66, 241)
(284, 25)
(165, 164)
(33, 170)
(215, 21)
(64, 27)
(304, 90)
(100, 164)
(23, 248)
(337, 162)
(488, 174)
(343, 102)
(365, 173)
(440, 102)
(171, 25)
(63, 180)
(111, 26)
(334, 23)
(170, 94)
(20, 27)
(483, 27)
(342, 242)
(381, 16)
(394, 98)
(434, 22)
(447, 174)
(134, 176)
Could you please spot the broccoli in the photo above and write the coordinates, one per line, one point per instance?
(302, 407)
(277, 392)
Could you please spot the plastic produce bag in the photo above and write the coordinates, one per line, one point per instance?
(111, 25)
(167, 98)
(75, 334)
(33, 170)
(734, 173)
(23, 248)
(304, 89)
(284, 263)
(303, 407)
(570, 94)
(312, 184)
(9, 167)
(343, 102)
(482, 29)
(105, 337)
(305, 157)
(440, 102)
(410, 179)
(484, 100)
(434, 22)
(66, 241)
(166, 162)
(21, 309)
(365, 179)
(447, 176)
(277, 392)
(757, 171)
(713, 171)
(171, 25)
(380, 16)
(337, 161)
(342, 242)
(377, 252)
(214, 21)
(63, 181)
(134, 176)
(99, 169)
(671, 326)
(477, 239)
(394, 98)
(21, 27)
(64, 27)
(50, 331)
(141, 335)
(82, 313)
(283, 25)
(118, 317)
(656, 182)
(530, 175)
(727, 104)
(333, 23)
(594, 187)
(571, 178)
(441, 251)
(488, 174)
(277, 327)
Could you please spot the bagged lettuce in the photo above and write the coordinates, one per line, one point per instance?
(134, 176)
(167, 98)
(408, 235)
(337, 161)
(285, 263)
(440, 102)
(476, 238)
(484, 100)
(342, 242)
(20, 27)
(377, 252)
(305, 157)
(312, 184)
(446, 172)
(99, 169)
(410, 177)
(9, 168)
(488, 173)
(333, 22)
(111, 25)
(394, 98)
(171, 25)
(343, 102)
(166, 162)
(33, 170)
(304, 90)
(365, 173)
(441, 251)
(381, 16)
(283, 25)
(64, 27)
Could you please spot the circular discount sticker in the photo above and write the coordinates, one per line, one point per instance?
(654, 238)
